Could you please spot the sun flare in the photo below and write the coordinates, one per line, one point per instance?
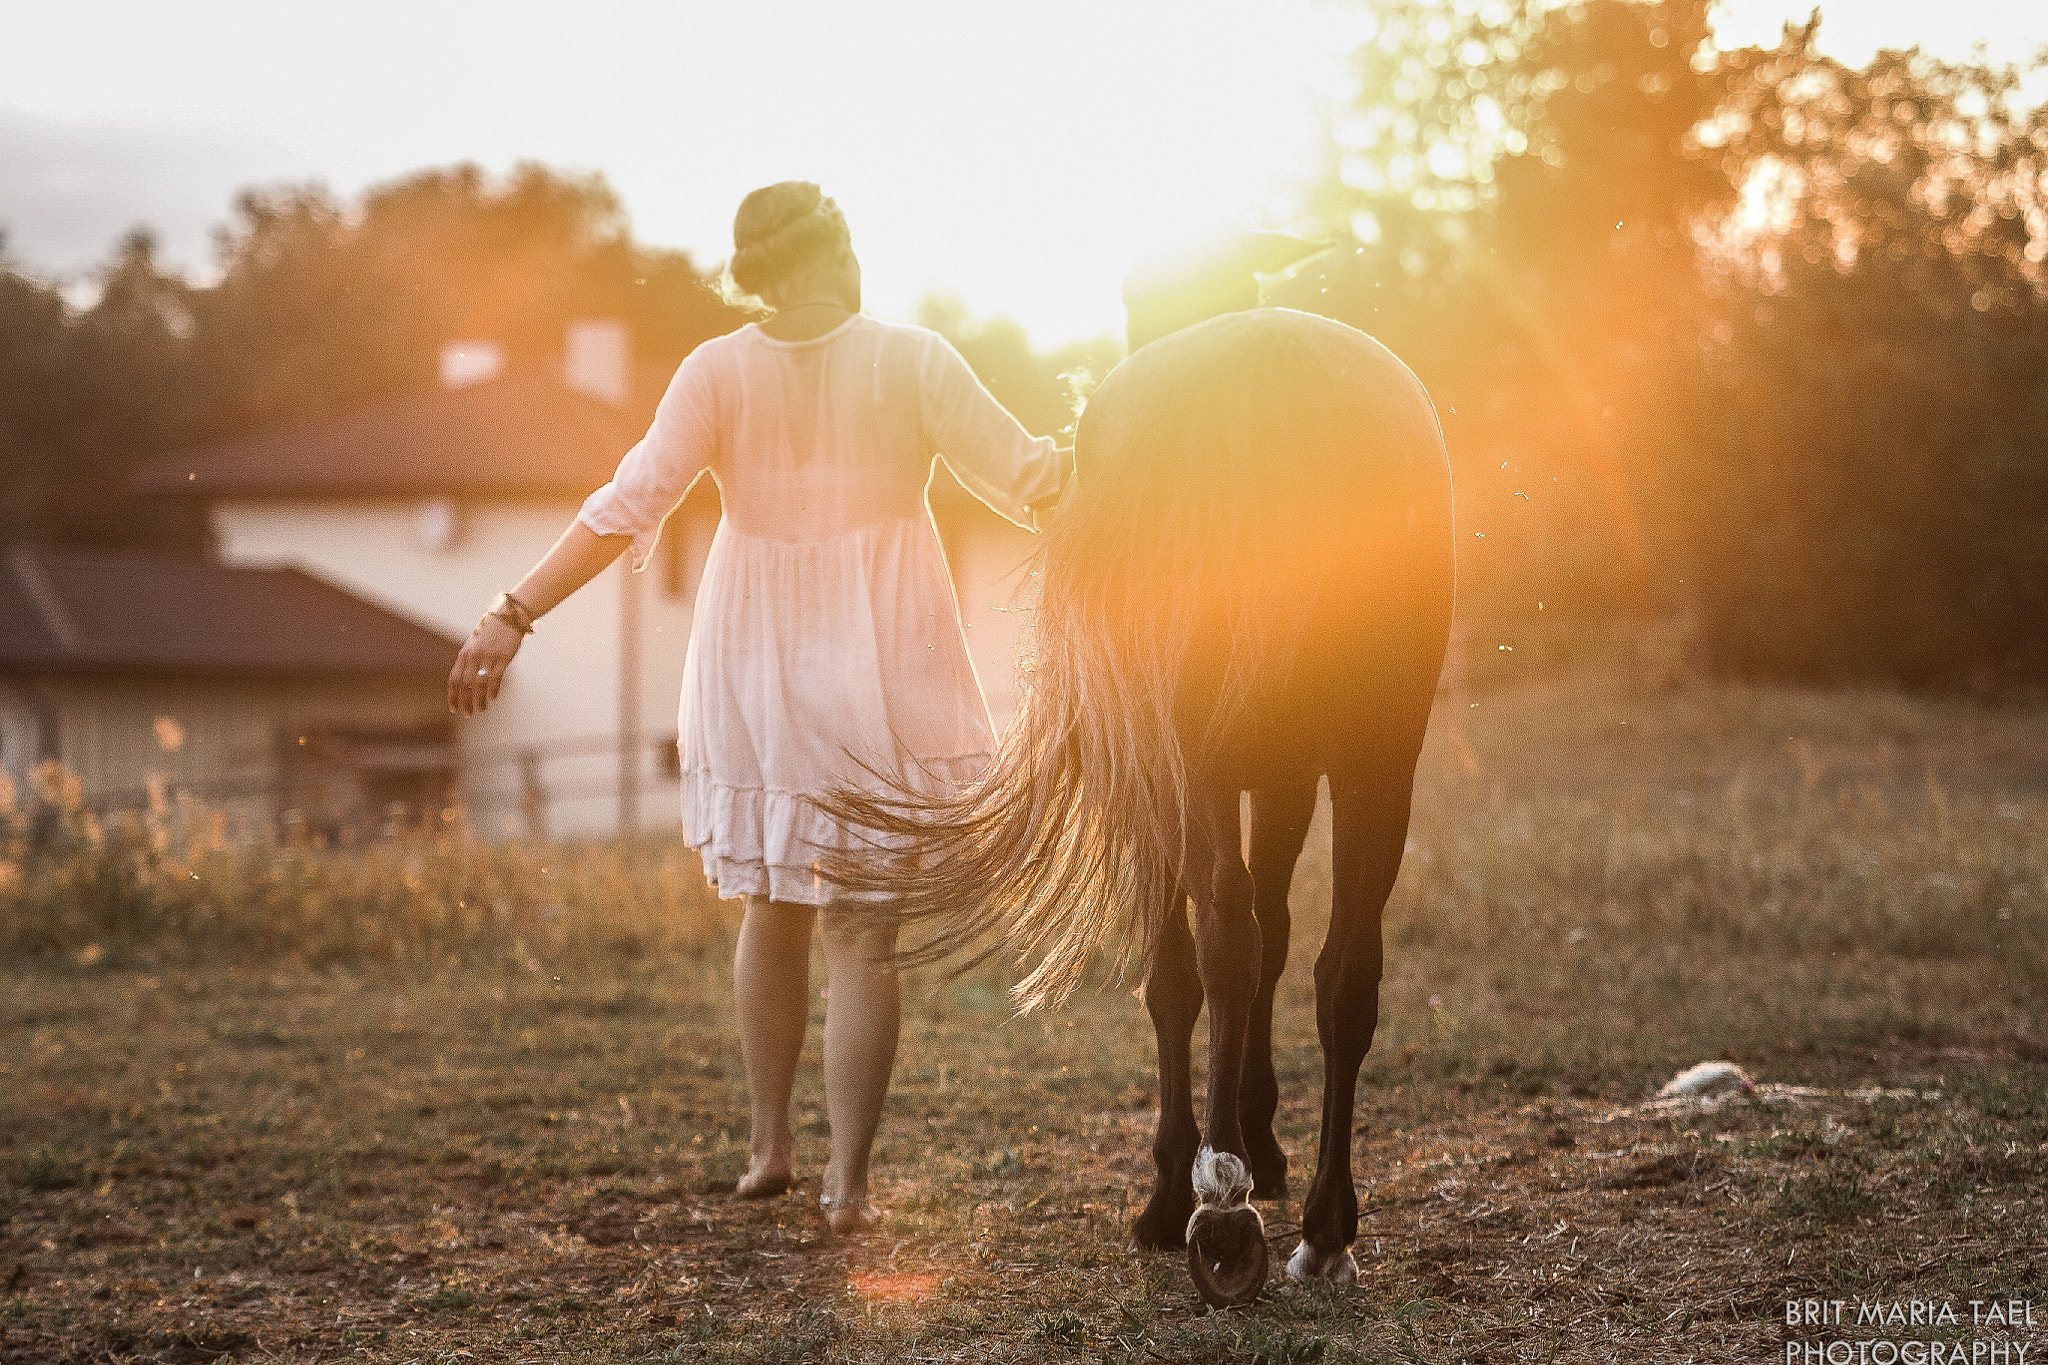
(1156, 131)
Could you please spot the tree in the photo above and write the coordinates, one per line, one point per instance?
(85, 393)
(1742, 334)
(1879, 425)
(1040, 391)
(318, 309)
(1517, 183)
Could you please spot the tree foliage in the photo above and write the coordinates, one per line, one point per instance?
(1879, 382)
(1743, 334)
(1042, 390)
(319, 308)
(81, 395)
(368, 297)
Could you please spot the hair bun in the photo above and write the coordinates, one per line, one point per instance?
(777, 230)
(767, 211)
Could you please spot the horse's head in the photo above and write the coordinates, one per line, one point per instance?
(1174, 289)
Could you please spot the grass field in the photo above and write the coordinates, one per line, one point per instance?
(453, 1102)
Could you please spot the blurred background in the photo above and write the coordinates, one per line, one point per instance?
(330, 1027)
(1736, 315)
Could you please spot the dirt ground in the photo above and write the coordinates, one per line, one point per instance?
(516, 1139)
(328, 1167)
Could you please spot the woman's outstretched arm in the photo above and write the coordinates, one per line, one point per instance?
(987, 449)
(579, 556)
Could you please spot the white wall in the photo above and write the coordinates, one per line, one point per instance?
(987, 557)
(564, 686)
(20, 735)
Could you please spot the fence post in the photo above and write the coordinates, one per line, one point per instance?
(533, 795)
(629, 697)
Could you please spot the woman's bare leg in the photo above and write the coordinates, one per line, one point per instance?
(862, 1016)
(771, 979)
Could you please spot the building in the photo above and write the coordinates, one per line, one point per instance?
(266, 691)
(429, 505)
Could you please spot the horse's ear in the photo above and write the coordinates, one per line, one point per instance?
(1174, 289)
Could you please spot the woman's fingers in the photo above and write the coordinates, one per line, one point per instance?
(467, 690)
(479, 672)
(476, 691)
(458, 684)
(474, 685)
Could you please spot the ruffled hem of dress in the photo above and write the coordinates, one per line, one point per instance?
(754, 842)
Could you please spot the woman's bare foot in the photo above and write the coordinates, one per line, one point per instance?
(764, 1184)
(849, 1213)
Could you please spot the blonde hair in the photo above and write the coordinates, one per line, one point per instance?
(778, 230)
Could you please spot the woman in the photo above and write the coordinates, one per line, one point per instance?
(827, 649)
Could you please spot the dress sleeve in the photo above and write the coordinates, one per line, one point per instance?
(661, 466)
(987, 449)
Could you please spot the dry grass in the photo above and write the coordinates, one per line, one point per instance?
(511, 1136)
(176, 882)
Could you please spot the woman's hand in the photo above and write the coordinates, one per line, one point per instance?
(480, 667)
(577, 557)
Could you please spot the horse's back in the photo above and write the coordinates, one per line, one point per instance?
(1276, 374)
(1326, 455)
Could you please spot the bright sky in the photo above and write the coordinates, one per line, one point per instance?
(1016, 155)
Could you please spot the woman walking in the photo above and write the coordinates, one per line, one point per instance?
(826, 650)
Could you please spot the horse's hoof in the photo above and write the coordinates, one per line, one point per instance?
(1306, 1265)
(1227, 1255)
(1163, 1223)
(1159, 1230)
(1226, 1236)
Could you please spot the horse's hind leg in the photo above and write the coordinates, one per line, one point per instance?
(1370, 824)
(1226, 1238)
(1173, 997)
(1280, 819)
(1226, 951)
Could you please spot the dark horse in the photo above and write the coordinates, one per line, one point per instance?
(1249, 589)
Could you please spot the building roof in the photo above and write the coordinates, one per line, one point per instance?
(525, 433)
(91, 611)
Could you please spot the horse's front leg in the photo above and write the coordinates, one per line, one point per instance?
(1173, 997)
(1280, 819)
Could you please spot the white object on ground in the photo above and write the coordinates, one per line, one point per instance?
(1707, 1081)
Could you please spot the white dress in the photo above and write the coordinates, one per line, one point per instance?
(826, 640)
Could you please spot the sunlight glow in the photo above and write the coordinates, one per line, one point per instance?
(1852, 31)
(1018, 157)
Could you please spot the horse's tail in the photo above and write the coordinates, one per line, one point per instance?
(1217, 470)
(1037, 853)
